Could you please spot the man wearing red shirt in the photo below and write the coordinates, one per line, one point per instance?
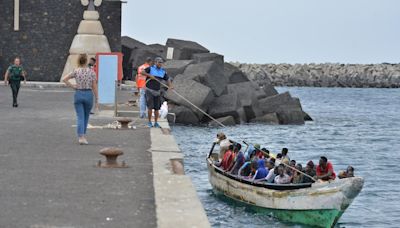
(325, 170)
(228, 158)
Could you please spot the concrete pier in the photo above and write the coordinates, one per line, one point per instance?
(48, 180)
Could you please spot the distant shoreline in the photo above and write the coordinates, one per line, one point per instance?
(383, 75)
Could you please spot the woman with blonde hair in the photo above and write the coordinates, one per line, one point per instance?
(85, 88)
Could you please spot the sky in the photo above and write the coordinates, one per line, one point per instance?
(280, 31)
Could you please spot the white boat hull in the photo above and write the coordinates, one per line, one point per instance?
(329, 198)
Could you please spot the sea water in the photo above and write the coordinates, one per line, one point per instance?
(358, 127)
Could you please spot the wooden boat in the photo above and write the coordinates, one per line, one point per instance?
(317, 204)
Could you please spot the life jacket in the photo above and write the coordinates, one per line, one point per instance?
(157, 72)
(141, 79)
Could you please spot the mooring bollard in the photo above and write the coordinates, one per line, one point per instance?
(124, 122)
(111, 155)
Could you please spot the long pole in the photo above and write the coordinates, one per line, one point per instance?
(206, 114)
(305, 174)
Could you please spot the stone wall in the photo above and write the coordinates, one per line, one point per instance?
(46, 32)
(325, 75)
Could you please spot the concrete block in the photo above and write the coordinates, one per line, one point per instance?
(269, 90)
(234, 74)
(225, 105)
(270, 118)
(197, 93)
(246, 92)
(139, 56)
(175, 67)
(185, 115)
(184, 49)
(205, 57)
(160, 49)
(210, 74)
(288, 109)
(227, 121)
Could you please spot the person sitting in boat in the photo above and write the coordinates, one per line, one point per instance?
(223, 143)
(284, 152)
(297, 176)
(282, 177)
(325, 170)
(261, 171)
(290, 171)
(251, 150)
(245, 169)
(239, 160)
(264, 153)
(309, 170)
(278, 159)
(228, 158)
(253, 169)
(271, 171)
(348, 173)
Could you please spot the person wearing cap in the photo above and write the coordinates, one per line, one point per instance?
(310, 171)
(153, 75)
(141, 84)
(223, 143)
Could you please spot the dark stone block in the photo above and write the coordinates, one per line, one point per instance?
(234, 75)
(139, 56)
(198, 94)
(270, 118)
(184, 115)
(205, 57)
(225, 105)
(227, 121)
(269, 90)
(307, 117)
(288, 109)
(160, 49)
(184, 49)
(210, 74)
(128, 45)
(175, 67)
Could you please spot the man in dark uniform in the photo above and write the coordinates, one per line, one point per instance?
(155, 74)
(14, 75)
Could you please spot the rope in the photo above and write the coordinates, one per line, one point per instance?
(206, 114)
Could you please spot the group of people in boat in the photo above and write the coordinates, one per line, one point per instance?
(259, 165)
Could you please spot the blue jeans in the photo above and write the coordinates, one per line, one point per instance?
(83, 102)
(142, 103)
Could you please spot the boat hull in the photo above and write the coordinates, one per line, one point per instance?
(321, 205)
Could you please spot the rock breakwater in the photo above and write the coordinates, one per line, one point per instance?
(383, 75)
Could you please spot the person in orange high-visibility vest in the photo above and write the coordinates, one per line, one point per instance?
(141, 86)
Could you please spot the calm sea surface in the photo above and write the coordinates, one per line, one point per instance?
(360, 127)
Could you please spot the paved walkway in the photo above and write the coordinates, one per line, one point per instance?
(48, 180)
